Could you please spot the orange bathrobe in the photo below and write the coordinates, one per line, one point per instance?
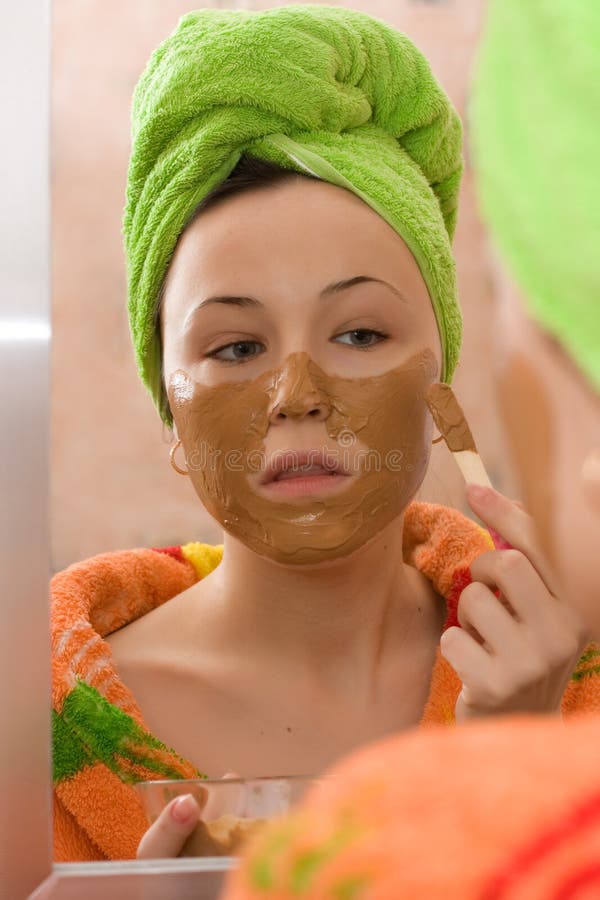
(499, 809)
(101, 744)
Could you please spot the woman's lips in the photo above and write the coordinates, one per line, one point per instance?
(300, 485)
(298, 471)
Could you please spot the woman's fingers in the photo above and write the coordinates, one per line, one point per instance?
(514, 524)
(518, 643)
(542, 618)
(515, 576)
(167, 835)
(470, 661)
(481, 612)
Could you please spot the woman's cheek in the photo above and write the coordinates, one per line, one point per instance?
(382, 419)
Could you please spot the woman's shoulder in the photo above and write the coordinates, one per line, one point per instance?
(113, 588)
(98, 596)
(96, 717)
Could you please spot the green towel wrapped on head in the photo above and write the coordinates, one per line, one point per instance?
(322, 90)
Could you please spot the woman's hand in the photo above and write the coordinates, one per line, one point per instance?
(515, 652)
(167, 835)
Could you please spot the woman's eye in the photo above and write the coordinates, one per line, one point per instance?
(236, 352)
(363, 337)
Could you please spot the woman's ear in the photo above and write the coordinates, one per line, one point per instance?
(590, 479)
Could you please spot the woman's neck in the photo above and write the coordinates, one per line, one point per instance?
(337, 619)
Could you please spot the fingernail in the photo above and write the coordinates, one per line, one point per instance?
(498, 541)
(183, 809)
(479, 493)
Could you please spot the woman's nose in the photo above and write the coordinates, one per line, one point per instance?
(297, 396)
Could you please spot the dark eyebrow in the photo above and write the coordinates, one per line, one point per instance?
(334, 288)
(338, 286)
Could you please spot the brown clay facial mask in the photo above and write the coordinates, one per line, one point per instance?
(375, 429)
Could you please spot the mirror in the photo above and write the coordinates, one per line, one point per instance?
(85, 465)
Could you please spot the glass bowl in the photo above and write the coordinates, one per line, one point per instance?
(231, 809)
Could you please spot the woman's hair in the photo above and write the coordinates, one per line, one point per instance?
(250, 173)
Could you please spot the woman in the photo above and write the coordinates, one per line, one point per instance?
(508, 809)
(278, 348)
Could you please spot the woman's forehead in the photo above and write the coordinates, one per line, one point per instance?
(255, 275)
(276, 230)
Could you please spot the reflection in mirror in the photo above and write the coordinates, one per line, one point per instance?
(185, 687)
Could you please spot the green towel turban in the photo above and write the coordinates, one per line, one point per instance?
(317, 89)
(535, 123)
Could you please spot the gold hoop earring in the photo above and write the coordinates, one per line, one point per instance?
(172, 458)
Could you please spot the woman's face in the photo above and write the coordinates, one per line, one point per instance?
(277, 356)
